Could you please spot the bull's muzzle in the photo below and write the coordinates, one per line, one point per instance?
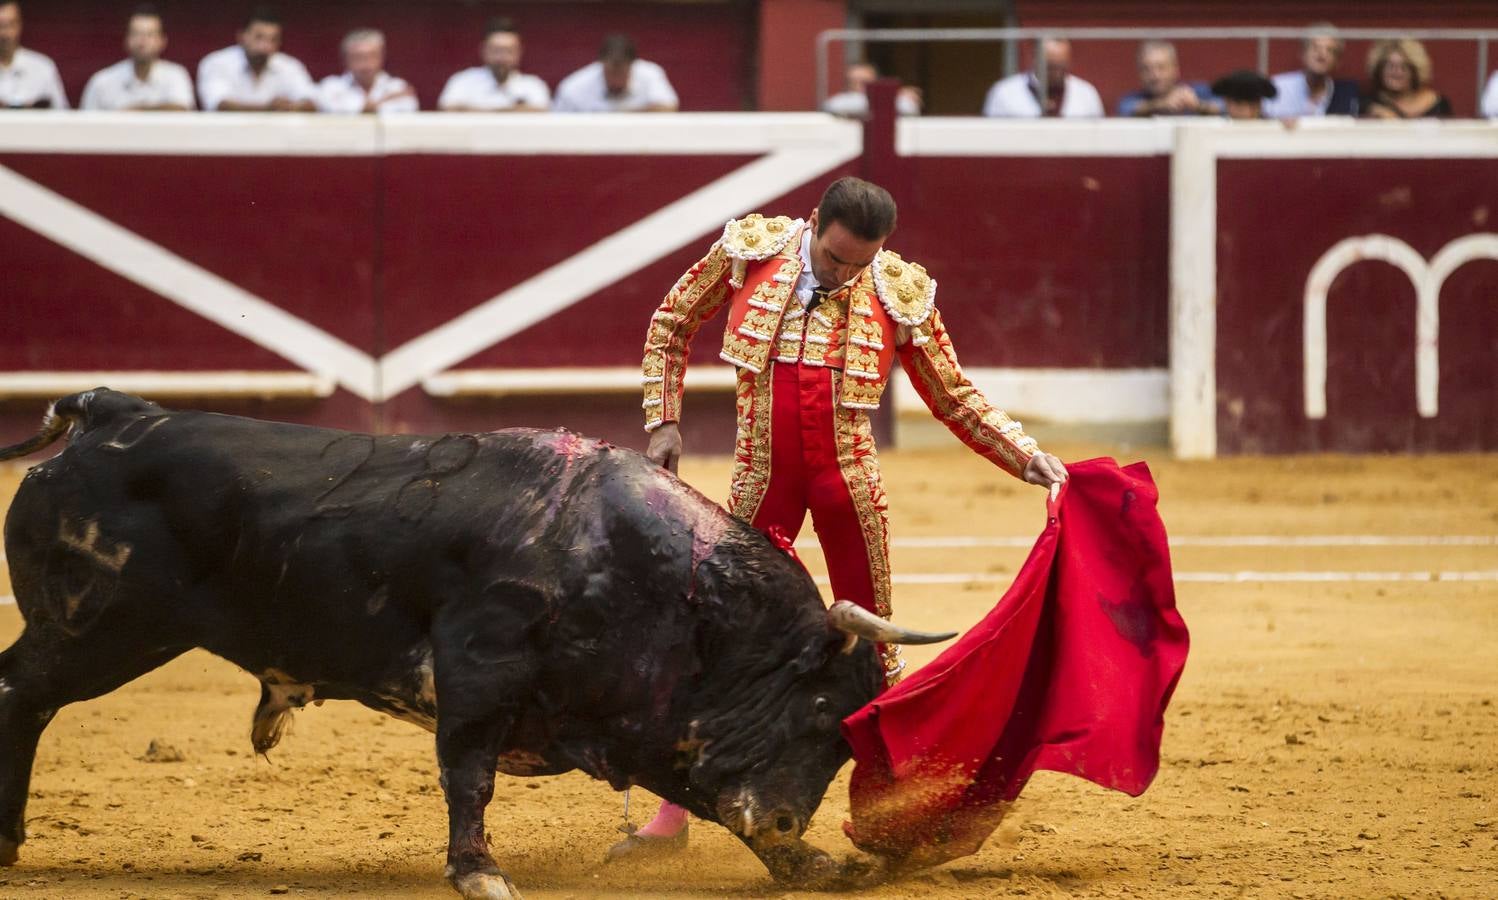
(774, 832)
(745, 815)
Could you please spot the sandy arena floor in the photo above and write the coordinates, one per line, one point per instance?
(1329, 739)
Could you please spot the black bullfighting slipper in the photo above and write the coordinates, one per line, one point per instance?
(644, 846)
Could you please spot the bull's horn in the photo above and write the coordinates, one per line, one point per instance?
(857, 622)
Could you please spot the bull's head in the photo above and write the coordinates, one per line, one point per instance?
(798, 748)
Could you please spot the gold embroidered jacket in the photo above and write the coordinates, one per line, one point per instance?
(889, 310)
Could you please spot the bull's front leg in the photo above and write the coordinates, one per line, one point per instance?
(467, 752)
(479, 673)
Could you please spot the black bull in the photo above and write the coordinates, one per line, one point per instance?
(542, 601)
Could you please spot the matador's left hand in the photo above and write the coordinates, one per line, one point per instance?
(1045, 470)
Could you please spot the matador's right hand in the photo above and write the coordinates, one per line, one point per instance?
(665, 446)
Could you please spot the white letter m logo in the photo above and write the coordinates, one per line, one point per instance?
(1427, 279)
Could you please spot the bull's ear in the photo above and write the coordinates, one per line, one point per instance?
(817, 652)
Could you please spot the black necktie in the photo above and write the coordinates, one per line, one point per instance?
(818, 294)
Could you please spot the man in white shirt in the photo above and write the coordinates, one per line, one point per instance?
(1066, 95)
(366, 87)
(498, 85)
(1490, 97)
(853, 103)
(253, 75)
(145, 80)
(28, 80)
(617, 82)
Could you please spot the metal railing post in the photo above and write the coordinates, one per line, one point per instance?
(1041, 76)
(824, 43)
(1263, 54)
(1482, 71)
(1011, 46)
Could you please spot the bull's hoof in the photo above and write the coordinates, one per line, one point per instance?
(10, 851)
(485, 886)
(644, 846)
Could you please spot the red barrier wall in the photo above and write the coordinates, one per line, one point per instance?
(1275, 220)
(1049, 259)
(378, 252)
(1045, 262)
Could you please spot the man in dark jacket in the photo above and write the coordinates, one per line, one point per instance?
(1312, 91)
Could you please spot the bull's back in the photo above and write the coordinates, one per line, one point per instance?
(305, 518)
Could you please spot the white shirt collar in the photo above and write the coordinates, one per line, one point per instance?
(806, 282)
(379, 81)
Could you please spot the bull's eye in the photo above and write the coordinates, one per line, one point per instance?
(822, 706)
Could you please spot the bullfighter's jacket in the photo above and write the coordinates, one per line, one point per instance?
(858, 330)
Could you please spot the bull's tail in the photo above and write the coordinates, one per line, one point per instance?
(81, 409)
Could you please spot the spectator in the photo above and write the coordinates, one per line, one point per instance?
(1244, 93)
(144, 80)
(1401, 73)
(1161, 90)
(854, 102)
(1066, 95)
(1490, 97)
(617, 82)
(28, 80)
(498, 85)
(254, 74)
(1313, 91)
(365, 87)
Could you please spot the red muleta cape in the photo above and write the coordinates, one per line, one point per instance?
(1071, 672)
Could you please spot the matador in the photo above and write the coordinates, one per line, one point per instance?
(817, 313)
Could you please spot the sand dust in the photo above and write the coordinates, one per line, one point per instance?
(1327, 740)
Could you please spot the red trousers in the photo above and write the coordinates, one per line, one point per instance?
(818, 463)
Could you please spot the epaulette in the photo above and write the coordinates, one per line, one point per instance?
(755, 237)
(907, 292)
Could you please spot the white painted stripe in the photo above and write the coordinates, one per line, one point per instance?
(969, 136)
(49, 385)
(254, 134)
(1343, 139)
(563, 380)
(604, 263)
(1239, 577)
(190, 134)
(1332, 576)
(964, 541)
(1067, 396)
(655, 134)
(153, 267)
(1337, 540)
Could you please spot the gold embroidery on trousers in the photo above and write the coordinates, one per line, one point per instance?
(859, 461)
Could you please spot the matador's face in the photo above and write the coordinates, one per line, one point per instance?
(838, 256)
